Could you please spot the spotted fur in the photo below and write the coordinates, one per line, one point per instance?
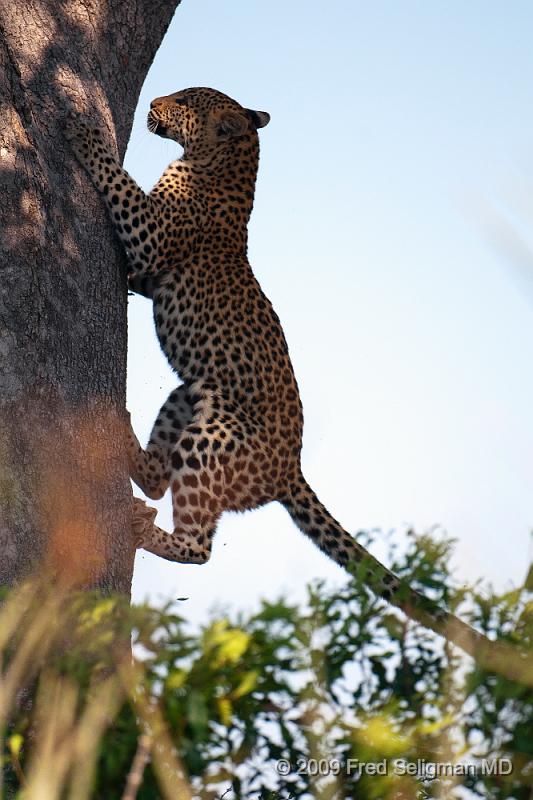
(230, 437)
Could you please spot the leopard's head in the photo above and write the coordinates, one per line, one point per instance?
(203, 119)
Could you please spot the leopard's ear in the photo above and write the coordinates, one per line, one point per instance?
(232, 123)
(259, 118)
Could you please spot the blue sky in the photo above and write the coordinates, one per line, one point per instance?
(395, 173)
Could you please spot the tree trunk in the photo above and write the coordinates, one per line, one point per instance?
(65, 500)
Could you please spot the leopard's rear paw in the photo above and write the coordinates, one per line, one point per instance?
(143, 518)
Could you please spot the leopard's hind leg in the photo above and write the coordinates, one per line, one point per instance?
(150, 468)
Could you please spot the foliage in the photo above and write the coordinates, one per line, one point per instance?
(342, 683)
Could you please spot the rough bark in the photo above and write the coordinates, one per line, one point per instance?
(65, 499)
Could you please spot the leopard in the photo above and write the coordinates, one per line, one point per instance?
(229, 437)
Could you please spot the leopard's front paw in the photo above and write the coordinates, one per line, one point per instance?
(142, 283)
(85, 141)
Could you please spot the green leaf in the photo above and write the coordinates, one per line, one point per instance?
(15, 743)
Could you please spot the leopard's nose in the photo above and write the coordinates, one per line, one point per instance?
(157, 103)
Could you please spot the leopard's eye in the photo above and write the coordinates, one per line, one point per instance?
(181, 101)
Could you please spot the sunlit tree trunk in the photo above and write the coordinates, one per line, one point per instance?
(65, 500)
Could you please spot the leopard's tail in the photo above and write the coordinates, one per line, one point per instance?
(315, 521)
